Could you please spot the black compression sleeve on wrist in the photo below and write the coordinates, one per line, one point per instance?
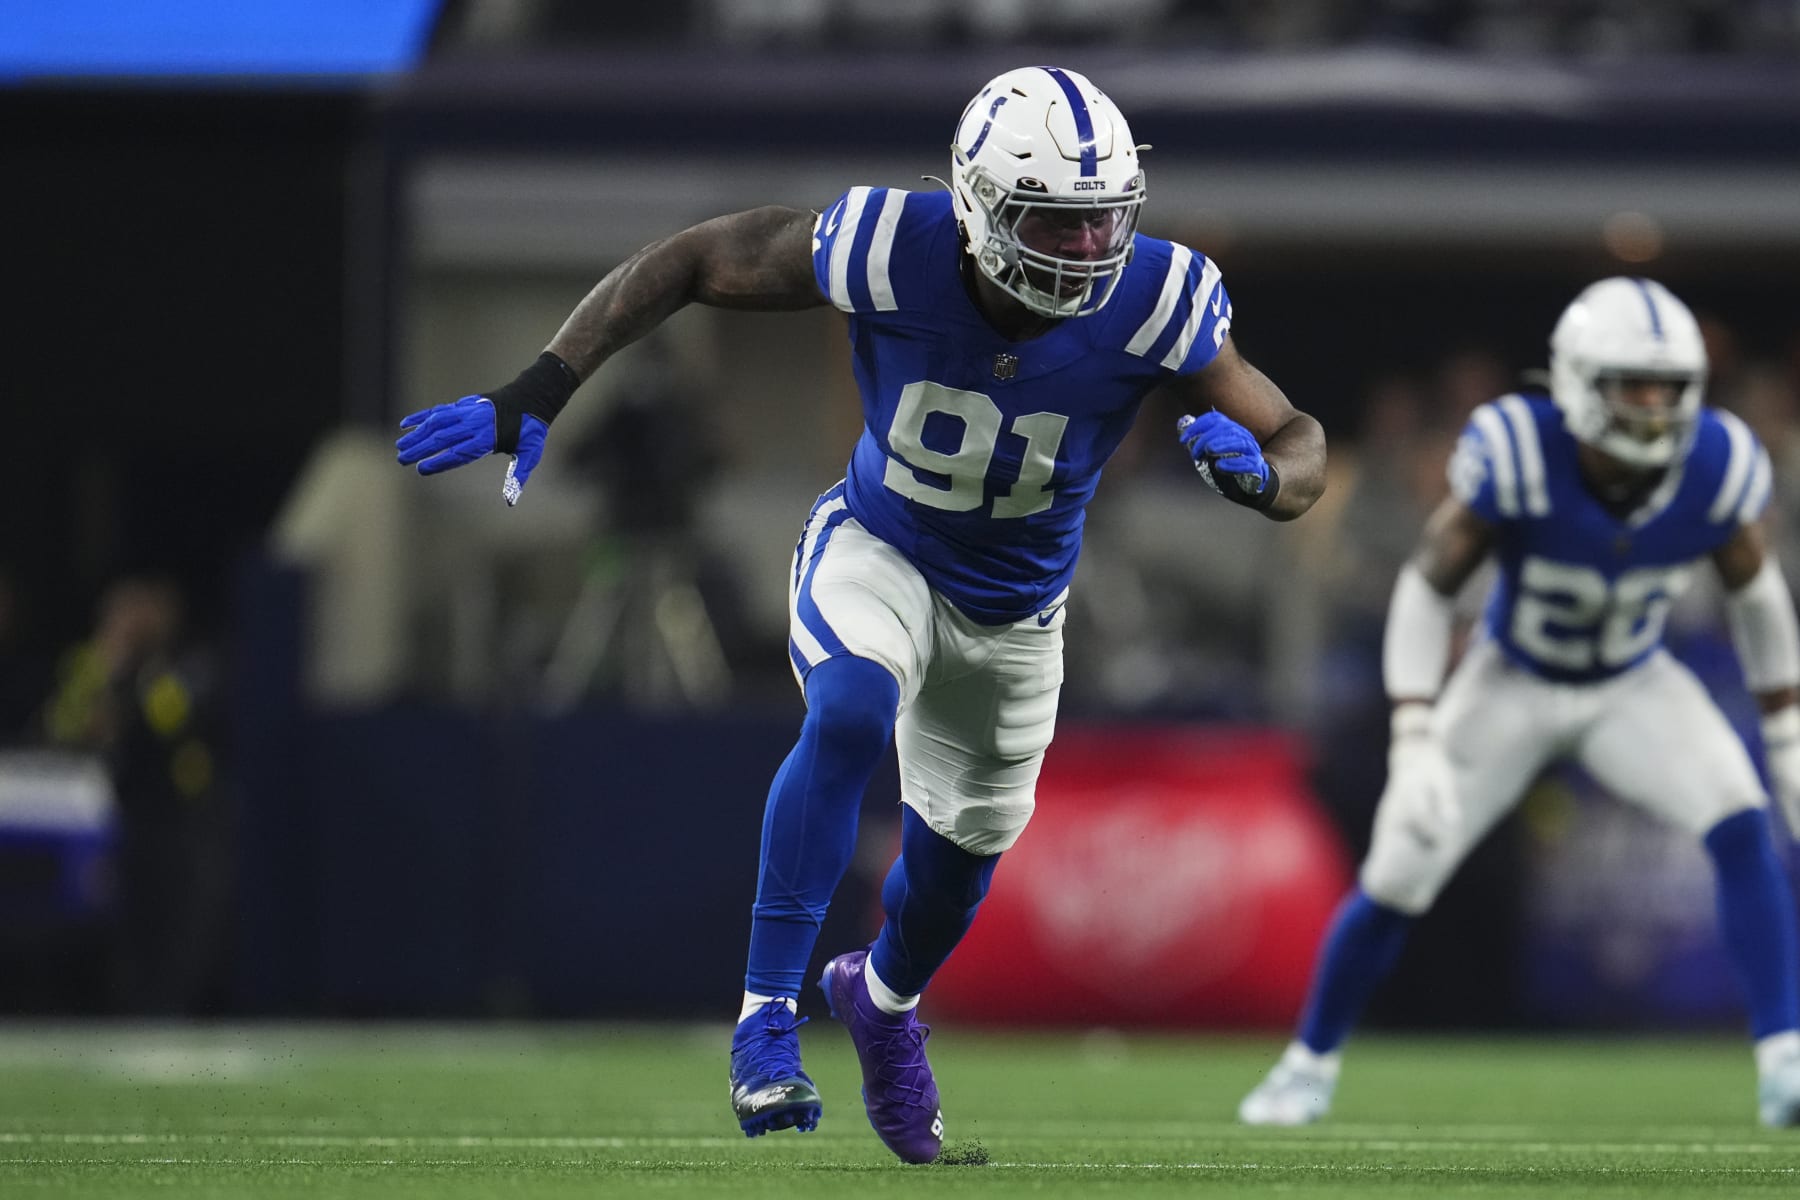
(542, 389)
(1260, 501)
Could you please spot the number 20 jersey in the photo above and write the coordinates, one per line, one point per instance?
(1584, 594)
(978, 455)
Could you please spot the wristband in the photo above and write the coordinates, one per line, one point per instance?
(1410, 718)
(1260, 501)
(542, 390)
(1781, 726)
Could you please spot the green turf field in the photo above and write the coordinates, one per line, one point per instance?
(451, 1112)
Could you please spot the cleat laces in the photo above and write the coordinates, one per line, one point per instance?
(772, 1053)
(903, 1065)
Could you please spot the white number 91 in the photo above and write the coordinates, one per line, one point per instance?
(967, 466)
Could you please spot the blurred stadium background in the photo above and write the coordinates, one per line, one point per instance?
(293, 733)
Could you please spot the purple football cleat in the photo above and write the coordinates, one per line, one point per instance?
(898, 1090)
(769, 1091)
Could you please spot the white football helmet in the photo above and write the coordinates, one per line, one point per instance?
(1619, 339)
(1047, 189)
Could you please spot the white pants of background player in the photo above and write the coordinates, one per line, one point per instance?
(977, 702)
(1650, 736)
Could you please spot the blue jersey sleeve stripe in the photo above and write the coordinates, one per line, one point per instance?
(1531, 455)
(844, 239)
(1737, 467)
(1756, 496)
(862, 300)
(1492, 427)
(1159, 317)
(1209, 283)
(881, 249)
(1186, 286)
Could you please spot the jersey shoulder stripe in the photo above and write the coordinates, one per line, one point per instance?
(1158, 320)
(1528, 444)
(881, 250)
(1490, 429)
(1185, 324)
(862, 237)
(1499, 468)
(839, 225)
(1745, 485)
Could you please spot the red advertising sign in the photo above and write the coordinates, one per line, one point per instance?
(1171, 876)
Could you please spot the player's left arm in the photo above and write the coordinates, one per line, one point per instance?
(1760, 611)
(1250, 443)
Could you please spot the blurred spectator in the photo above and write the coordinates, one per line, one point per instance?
(129, 695)
(1594, 29)
(345, 522)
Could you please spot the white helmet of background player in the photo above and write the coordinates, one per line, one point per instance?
(1618, 335)
(1047, 188)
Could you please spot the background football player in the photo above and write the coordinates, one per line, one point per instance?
(1597, 501)
(1003, 335)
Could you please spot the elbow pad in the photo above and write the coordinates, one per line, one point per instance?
(1416, 646)
(1764, 631)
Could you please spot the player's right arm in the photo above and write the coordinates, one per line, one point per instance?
(1416, 646)
(1415, 653)
(761, 260)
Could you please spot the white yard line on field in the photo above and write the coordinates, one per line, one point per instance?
(350, 1141)
(663, 1164)
(1387, 1168)
(599, 1142)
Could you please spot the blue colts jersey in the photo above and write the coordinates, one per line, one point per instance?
(1584, 594)
(978, 455)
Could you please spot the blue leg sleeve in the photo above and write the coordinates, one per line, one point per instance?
(1756, 919)
(809, 825)
(930, 897)
(1364, 941)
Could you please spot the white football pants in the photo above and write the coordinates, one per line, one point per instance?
(977, 702)
(1650, 736)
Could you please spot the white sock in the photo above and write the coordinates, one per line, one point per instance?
(1776, 1049)
(885, 997)
(752, 1002)
(1301, 1057)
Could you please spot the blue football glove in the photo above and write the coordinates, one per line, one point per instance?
(1229, 458)
(512, 420)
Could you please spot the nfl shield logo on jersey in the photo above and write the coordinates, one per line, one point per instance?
(1006, 366)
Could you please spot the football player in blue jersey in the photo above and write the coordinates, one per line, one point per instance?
(1004, 333)
(1597, 501)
